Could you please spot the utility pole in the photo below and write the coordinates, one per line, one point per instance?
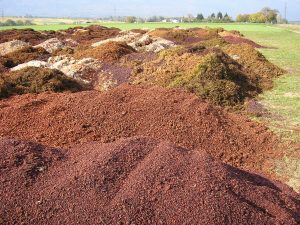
(285, 10)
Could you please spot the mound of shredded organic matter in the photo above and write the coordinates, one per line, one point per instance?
(63, 51)
(36, 80)
(178, 36)
(91, 34)
(217, 42)
(12, 46)
(112, 75)
(27, 35)
(127, 37)
(24, 55)
(233, 33)
(254, 63)
(241, 40)
(52, 45)
(209, 73)
(3, 68)
(107, 52)
(65, 119)
(134, 181)
(188, 36)
(217, 78)
(140, 31)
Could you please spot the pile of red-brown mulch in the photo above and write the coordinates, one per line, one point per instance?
(241, 40)
(27, 35)
(24, 55)
(63, 120)
(134, 181)
(107, 52)
(90, 34)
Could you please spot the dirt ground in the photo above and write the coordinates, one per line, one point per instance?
(102, 126)
(134, 181)
(62, 120)
(203, 61)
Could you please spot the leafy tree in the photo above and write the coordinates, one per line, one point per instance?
(258, 18)
(270, 14)
(140, 20)
(213, 16)
(227, 18)
(265, 15)
(190, 18)
(160, 18)
(200, 17)
(243, 18)
(130, 19)
(28, 22)
(19, 23)
(155, 19)
(220, 16)
(10, 23)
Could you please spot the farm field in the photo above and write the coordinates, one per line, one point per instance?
(49, 21)
(129, 26)
(134, 124)
(283, 101)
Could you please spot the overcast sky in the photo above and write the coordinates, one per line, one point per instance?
(102, 8)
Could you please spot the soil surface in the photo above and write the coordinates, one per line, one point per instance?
(27, 35)
(134, 181)
(241, 40)
(110, 51)
(90, 34)
(193, 59)
(62, 120)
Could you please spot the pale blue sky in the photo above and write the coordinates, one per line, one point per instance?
(101, 8)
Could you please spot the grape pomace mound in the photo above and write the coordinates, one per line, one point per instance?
(134, 181)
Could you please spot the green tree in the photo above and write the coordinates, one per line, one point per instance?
(20, 23)
(10, 23)
(227, 18)
(219, 16)
(200, 17)
(213, 16)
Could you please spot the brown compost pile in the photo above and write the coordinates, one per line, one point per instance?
(134, 181)
(103, 126)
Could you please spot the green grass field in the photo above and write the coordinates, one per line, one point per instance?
(283, 101)
(128, 26)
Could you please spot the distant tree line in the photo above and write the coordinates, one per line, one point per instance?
(10, 22)
(218, 18)
(266, 15)
(133, 19)
(214, 18)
